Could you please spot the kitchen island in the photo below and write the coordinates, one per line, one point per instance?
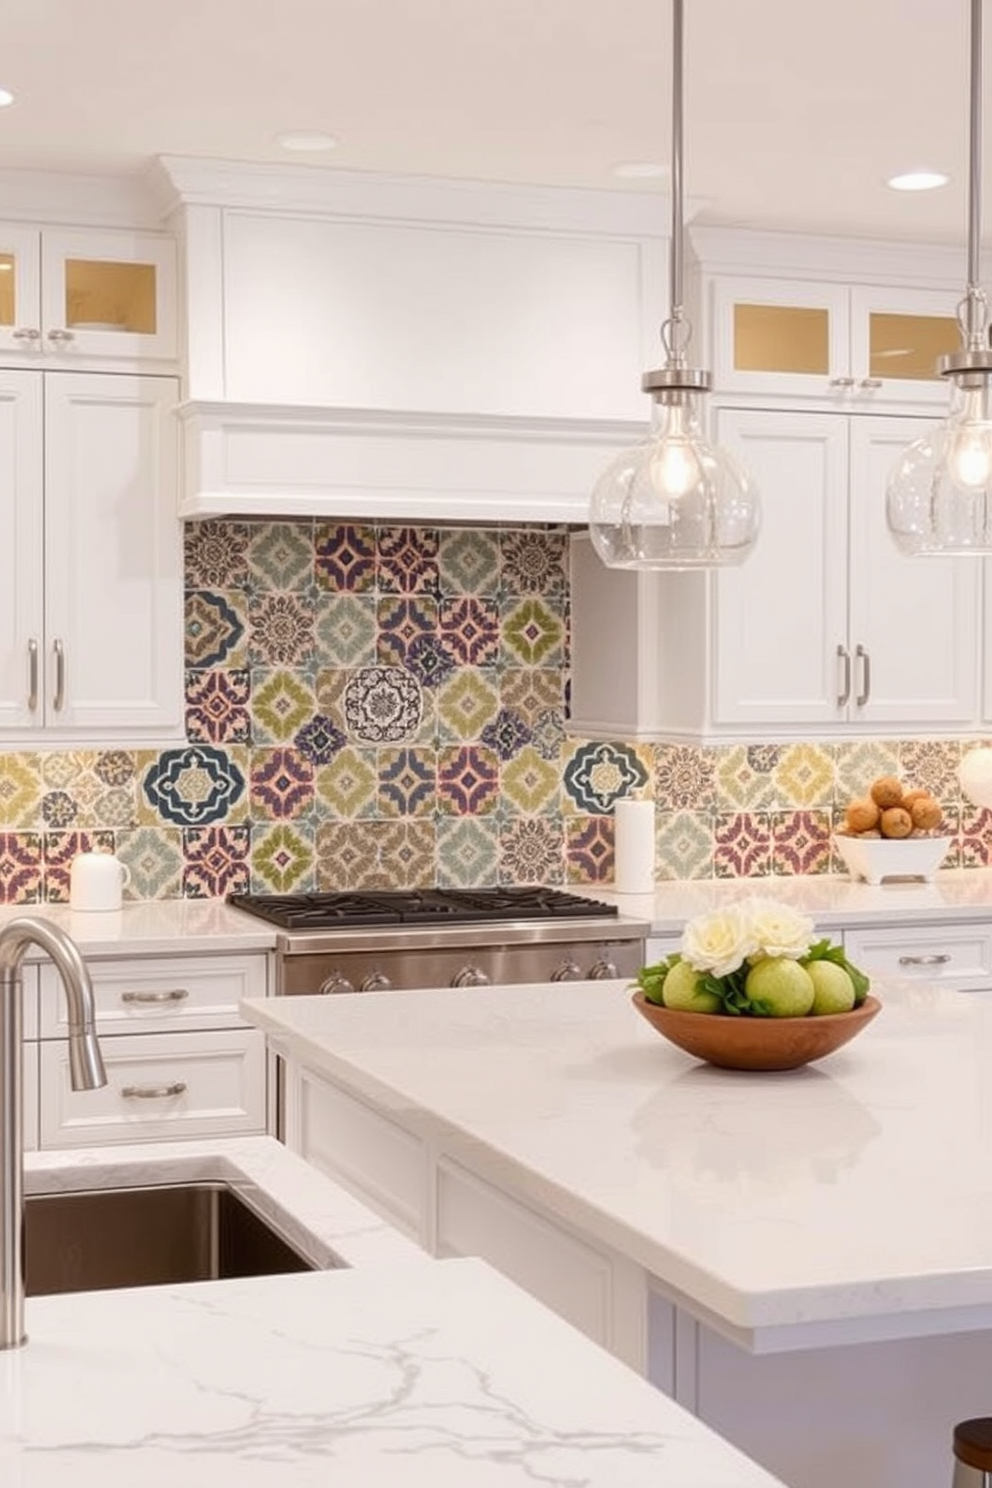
(803, 1258)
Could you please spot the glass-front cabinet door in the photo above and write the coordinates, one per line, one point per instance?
(20, 288)
(897, 339)
(108, 294)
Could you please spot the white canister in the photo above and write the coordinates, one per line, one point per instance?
(96, 881)
(633, 847)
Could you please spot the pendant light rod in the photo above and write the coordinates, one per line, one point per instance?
(976, 309)
(675, 265)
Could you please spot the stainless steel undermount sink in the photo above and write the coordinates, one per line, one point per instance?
(155, 1236)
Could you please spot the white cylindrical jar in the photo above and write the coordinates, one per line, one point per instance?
(633, 847)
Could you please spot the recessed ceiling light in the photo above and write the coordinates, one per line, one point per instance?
(5, 98)
(920, 180)
(306, 139)
(644, 170)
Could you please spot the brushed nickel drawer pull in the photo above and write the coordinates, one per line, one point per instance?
(940, 960)
(865, 660)
(844, 656)
(176, 995)
(32, 675)
(58, 701)
(153, 1092)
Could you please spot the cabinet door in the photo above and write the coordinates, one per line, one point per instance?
(21, 597)
(780, 336)
(914, 622)
(897, 337)
(781, 616)
(113, 557)
(108, 294)
(20, 289)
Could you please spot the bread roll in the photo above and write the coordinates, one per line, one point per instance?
(895, 822)
(926, 813)
(886, 791)
(861, 816)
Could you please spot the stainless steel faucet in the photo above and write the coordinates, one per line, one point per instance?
(86, 1072)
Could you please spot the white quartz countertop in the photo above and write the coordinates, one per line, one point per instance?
(153, 927)
(438, 1374)
(850, 1199)
(957, 895)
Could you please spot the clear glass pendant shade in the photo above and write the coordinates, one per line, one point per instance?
(676, 501)
(939, 497)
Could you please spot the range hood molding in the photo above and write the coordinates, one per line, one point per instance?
(366, 465)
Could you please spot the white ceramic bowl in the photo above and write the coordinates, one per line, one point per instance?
(876, 858)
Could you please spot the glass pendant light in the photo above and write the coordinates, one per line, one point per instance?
(676, 501)
(939, 497)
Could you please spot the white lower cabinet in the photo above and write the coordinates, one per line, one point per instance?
(959, 956)
(180, 1062)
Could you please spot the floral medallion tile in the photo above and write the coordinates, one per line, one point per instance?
(548, 734)
(465, 704)
(216, 861)
(281, 556)
(216, 628)
(745, 778)
(468, 562)
(974, 837)
(21, 878)
(529, 783)
(467, 852)
(382, 705)
(20, 790)
(468, 629)
(589, 849)
(532, 633)
(532, 851)
(404, 622)
(467, 780)
(375, 854)
(116, 808)
(218, 707)
(281, 630)
(282, 858)
(534, 562)
(804, 776)
(597, 774)
(64, 770)
(742, 845)
(59, 849)
(319, 740)
(507, 733)
(58, 810)
(216, 555)
(428, 661)
(345, 559)
(684, 778)
(116, 767)
(407, 781)
(282, 703)
(345, 629)
(532, 691)
(859, 763)
(154, 857)
(408, 560)
(931, 764)
(282, 784)
(347, 787)
(801, 842)
(683, 845)
(195, 786)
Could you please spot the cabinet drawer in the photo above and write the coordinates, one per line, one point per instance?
(960, 957)
(159, 994)
(475, 1219)
(220, 1078)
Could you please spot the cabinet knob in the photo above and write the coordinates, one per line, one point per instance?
(870, 382)
(842, 382)
(26, 333)
(59, 337)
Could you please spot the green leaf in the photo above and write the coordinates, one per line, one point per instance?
(651, 979)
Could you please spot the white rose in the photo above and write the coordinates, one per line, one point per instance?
(776, 929)
(719, 943)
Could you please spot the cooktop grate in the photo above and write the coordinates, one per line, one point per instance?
(327, 911)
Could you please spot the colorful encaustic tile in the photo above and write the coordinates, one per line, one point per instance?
(404, 623)
(589, 849)
(534, 562)
(59, 850)
(345, 559)
(281, 557)
(597, 775)
(530, 784)
(21, 867)
(218, 707)
(345, 630)
(467, 852)
(801, 842)
(282, 784)
(216, 861)
(532, 851)
(407, 782)
(804, 776)
(282, 858)
(466, 703)
(195, 786)
(216, 629)
(281, 630)
(216, 554)
(533, 633)
(282, 703)
(931, 765)
(684, 844)
(155, 859)
(347, 786)
(375, 854)
(407, 560)
(468, 630)
(742, 842)
(382, 705)
(684, 778)
(468, 562)
(467, 780)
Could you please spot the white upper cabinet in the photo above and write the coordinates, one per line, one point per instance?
(91, 630)
(82, 295)
(859, 347)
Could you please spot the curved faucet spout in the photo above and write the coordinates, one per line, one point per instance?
(86, 1072)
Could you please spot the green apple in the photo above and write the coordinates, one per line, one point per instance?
(681, 989)
(833, 990)
(780, 988)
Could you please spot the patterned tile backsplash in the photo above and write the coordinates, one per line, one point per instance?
(384, 707)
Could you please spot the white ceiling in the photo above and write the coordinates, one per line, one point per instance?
(796, 110)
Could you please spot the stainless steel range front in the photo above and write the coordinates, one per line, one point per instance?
(378, 941)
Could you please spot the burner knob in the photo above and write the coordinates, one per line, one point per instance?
(336, 983)
(567, 971)
(603, 969)
(470, 976)
(376, 981)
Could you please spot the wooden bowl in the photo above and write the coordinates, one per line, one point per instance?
(749, 1043)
